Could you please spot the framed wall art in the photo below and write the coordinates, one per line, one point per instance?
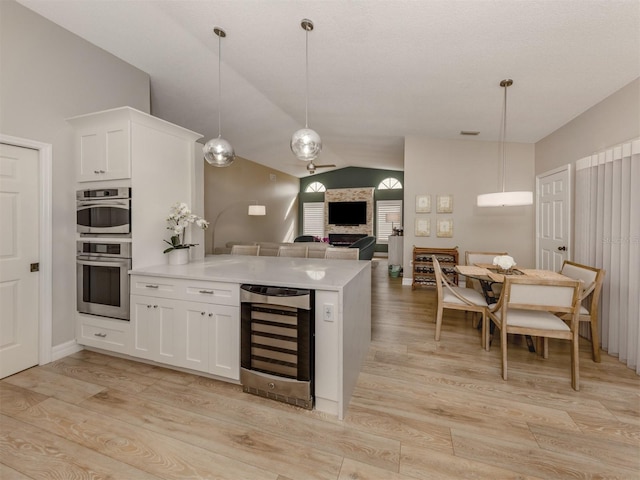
(444, 228)
(444, 204)
(423, 227)
(423, 203)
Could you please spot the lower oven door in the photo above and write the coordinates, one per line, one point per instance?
(103, 286)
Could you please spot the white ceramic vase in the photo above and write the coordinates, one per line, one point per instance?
(179, 256)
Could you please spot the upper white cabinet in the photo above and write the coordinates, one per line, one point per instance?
(104, 152)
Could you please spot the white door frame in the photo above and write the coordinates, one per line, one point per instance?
(45, 160)
(569, 170)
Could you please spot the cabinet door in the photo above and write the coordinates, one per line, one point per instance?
(224, 341)
(191, 336)
(104, 153)
(153, 321)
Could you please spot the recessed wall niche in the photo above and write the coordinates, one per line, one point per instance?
(350, 195)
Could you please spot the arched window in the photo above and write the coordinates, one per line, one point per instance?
(315, 187)
(390, 184)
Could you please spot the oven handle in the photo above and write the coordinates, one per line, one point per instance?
(103, 263)
(106, 203)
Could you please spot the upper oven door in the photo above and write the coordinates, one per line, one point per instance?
(104, 216)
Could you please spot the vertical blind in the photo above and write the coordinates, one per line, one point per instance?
(607, 228)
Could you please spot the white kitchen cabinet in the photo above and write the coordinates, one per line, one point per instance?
(202, 335)
(104, 151)
(153, 323)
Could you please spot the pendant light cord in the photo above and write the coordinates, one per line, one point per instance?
(219, 87)
(306, 100)
(503, 137)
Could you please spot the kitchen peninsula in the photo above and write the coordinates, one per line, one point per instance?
(205, 334)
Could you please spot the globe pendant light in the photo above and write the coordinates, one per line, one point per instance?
(219, 152)
(306, 143)
(504, 199)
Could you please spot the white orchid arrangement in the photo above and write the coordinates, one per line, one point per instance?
(180, 217)
(505, 262)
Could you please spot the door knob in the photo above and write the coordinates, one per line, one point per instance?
(562, 248)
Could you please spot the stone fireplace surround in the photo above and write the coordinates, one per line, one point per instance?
(349, 195)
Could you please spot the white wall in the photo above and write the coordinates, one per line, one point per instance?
(48, 75)
(465, 169)
(614, 120)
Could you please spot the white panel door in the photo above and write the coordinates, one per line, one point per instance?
(553, 218)
(19, 243)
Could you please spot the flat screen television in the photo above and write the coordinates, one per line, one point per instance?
(347, 213)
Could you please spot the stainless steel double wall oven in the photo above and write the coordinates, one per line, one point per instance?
(104, 251)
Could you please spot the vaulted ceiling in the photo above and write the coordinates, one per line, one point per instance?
(378, 69)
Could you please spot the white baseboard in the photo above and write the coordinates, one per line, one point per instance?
(65, 349)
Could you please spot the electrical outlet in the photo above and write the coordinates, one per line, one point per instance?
(327, 312)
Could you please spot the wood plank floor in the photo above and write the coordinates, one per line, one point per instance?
(422, 410)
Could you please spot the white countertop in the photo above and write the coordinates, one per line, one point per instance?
(313, 273)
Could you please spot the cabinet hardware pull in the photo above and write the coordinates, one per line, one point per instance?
(155, 306)
(210, 292)
(151, 286)
(211, 314)
(101, 335)
(96, 171)
(202, 313)
(101, 171)
(148, 306)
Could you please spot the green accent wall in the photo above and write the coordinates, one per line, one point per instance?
(351, 177)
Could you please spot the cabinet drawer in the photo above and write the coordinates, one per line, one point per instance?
(154, 286)
(211, 292)
(219, 293)
(110, 335)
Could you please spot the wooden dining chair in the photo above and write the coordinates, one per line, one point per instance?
(298, 251)
(592, 279)
(252, 250)
(453, 297)
(342, 253)
(528, 306)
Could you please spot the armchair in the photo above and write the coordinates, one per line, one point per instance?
(366, 245)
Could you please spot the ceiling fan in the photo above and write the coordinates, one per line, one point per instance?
(311, 167)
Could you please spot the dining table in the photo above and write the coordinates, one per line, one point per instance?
(489, 275)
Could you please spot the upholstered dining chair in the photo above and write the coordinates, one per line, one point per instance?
(298, 250)
(453, 297)
(592, 279)
(253, 250)
(342, 253)
(528, 306)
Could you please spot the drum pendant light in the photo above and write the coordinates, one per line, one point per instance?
(504, 199)
(306, 143)
(219, 152)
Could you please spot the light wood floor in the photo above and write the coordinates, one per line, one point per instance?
(422, 410)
